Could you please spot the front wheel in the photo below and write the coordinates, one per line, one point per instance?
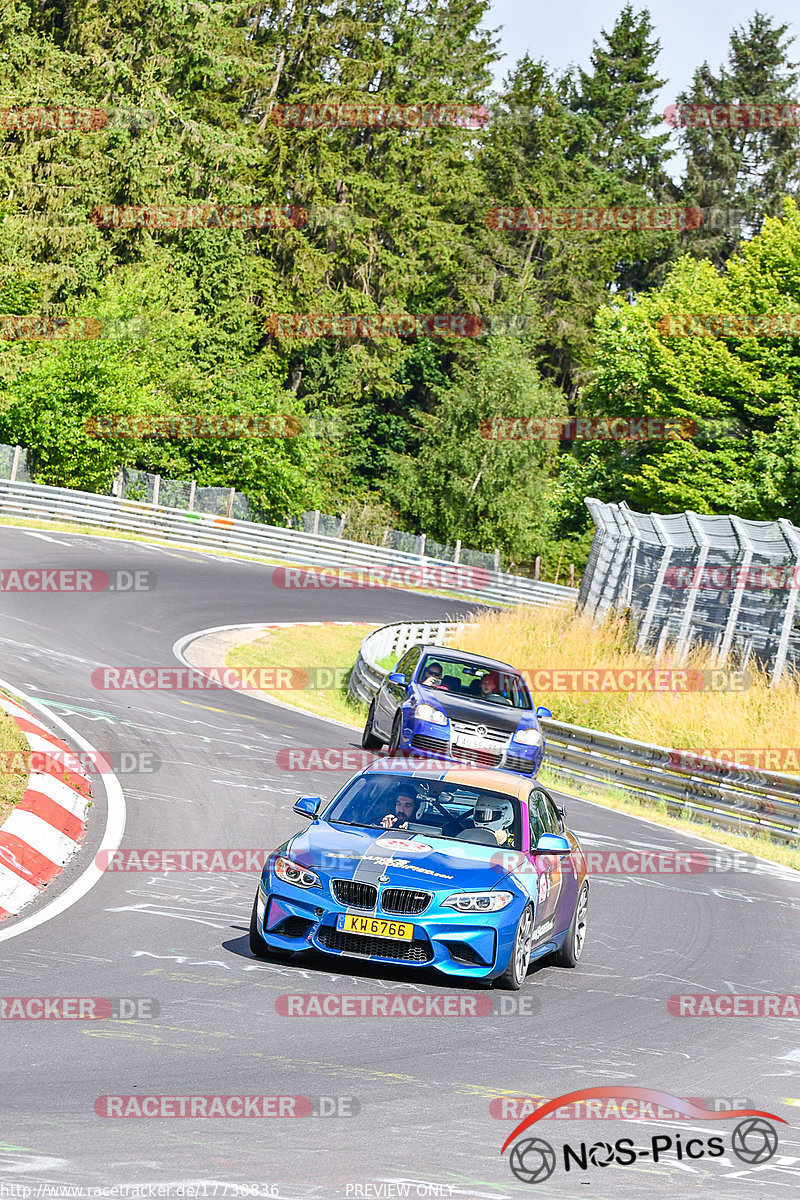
(513, 977)
(570, 952)
(370, 739)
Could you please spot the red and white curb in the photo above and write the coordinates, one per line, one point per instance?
(48, 824)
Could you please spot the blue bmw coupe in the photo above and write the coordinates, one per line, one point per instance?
(471, 872)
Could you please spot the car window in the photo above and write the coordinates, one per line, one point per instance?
(535, 819)
(463, 678)
(408, 662)
(546, 815)
(441, 809)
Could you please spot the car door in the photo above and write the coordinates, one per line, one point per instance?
(552, 870)
(563, 876)
(391, 695)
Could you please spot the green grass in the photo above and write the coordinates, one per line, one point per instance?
(12, 782)
(311, 647)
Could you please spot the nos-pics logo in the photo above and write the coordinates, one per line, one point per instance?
(532, 1160)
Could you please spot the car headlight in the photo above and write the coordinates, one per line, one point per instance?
(426, 712)
(478, 901)
(291, 872)
(528, 737)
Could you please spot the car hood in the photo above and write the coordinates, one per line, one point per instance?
(495, 716)
(410, 860)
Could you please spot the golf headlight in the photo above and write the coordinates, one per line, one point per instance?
(426, 712)
(528, 737)
(478, 901)
(291, 872)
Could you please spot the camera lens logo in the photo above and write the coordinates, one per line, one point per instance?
(533, 1160)
(754, 1140)
(601, 1154)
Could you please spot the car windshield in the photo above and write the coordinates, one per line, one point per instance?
(433, 808)
(487, 685)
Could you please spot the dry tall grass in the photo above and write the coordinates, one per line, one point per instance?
(536, 639)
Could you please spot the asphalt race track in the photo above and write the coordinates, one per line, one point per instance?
(420, 1088)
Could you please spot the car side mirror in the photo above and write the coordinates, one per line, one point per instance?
(552, 843)
(308, 806)
(397, 677)
(543, 712)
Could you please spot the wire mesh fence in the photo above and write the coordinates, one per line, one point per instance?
(686, 579)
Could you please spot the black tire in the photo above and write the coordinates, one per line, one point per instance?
(370, 739)
(513, 977)
(258, 947)
(397, 733)
(570, 953)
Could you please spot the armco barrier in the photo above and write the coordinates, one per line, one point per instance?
(253, 540)
(737, 797)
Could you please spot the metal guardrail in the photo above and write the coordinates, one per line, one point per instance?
(269, 543)
(737, 797)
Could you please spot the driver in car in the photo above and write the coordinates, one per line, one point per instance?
(405, 806)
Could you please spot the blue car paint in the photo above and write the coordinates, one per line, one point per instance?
(425, 863)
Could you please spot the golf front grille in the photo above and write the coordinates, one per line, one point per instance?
(374, 947)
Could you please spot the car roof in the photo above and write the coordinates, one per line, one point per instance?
(480, 660)
(493, 779)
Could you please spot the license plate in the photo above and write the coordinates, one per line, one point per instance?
(469, 741)
(375, 927)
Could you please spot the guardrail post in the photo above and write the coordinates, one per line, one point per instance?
(156, 488)
(231, 499)
(118, 486)
(457, 555)
(791, 535)
(537, 566)
(693, 592)
(315, 526)
(423, 537)
(15, 463)
(192, 490)
(342, 519)
(738, 591)
(497, 561)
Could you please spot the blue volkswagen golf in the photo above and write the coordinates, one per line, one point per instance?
(471, 872)
(460, 706)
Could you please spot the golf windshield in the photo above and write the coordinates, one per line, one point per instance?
(469, 680)
(433, 808)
